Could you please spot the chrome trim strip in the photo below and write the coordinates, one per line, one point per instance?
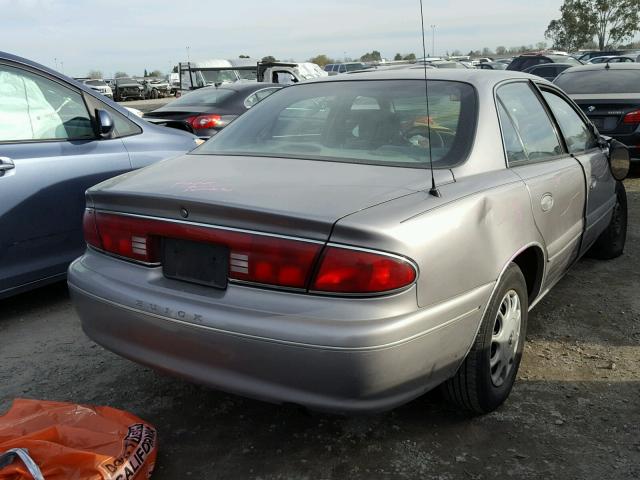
(211, 226)
(275, 340)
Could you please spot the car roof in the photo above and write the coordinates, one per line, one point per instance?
(469, 75)
(604, 66)
(551, 64)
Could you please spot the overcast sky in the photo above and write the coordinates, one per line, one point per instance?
(132, 35)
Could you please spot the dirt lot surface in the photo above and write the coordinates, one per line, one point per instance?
(573, 414)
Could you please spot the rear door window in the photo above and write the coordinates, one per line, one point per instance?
(512, 142)
(530, 120)
(575, 131)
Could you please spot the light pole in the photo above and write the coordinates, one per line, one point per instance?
(433, 40)
(188, 57)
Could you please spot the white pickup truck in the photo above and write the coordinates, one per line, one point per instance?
(195, 75)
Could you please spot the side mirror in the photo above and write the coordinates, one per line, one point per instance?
(619, 160)
(105, 123)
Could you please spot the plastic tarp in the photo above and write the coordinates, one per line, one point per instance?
(76, 442)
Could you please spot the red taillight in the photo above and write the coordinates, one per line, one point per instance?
(202, 122)
(632, 117)
(253, 258)
(354, 271)
(256, 258)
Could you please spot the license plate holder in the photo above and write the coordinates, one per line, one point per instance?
(196, 262)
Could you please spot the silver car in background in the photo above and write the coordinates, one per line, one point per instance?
(302, 255)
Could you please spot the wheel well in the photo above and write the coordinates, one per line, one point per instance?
(531, 263)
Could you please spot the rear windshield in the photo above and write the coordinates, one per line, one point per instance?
(204, 96)
(373, 122)
(600, 81)
(564, 59)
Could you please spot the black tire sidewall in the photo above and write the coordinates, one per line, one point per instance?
(490, 396)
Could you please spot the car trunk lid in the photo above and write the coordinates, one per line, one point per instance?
(301, 198)
(607, 111)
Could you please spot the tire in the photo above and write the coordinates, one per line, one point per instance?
(476, 386)
(610, 243)
(154, 94)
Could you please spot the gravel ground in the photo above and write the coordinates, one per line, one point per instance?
(573, 414)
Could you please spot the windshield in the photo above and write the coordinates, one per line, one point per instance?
(248, 74)
(374, 122)
(600, 81)
(352, 67)
(204, 96)
(219, 76)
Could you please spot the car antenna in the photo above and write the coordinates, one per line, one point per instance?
(434, 190)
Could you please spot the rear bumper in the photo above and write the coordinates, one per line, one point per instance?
(346, 355)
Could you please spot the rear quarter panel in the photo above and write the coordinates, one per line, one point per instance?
(460, 242)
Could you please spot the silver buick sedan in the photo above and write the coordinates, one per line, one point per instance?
(353, 242)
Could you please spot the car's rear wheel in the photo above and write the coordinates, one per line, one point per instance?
(610, 243)
(485, 378)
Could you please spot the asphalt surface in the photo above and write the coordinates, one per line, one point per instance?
(573, 414)
(147, 105)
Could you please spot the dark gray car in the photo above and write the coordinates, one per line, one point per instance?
(548, 71)
(59, 137)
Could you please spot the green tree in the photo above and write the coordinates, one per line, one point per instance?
(501, 50)
(411, 56)
(97, 74)
(371, 57)
(611, 22)
(269, 58)
(156, 73)
(120, 74)
(321, 60)
(175, 69)
(398, 57)
(145, 73)
(244, 56)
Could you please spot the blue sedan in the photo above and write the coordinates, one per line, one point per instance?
(58, 138)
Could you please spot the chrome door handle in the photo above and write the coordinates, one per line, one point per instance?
(6, 164)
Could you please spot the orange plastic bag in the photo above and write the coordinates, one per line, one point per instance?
(77, 442)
